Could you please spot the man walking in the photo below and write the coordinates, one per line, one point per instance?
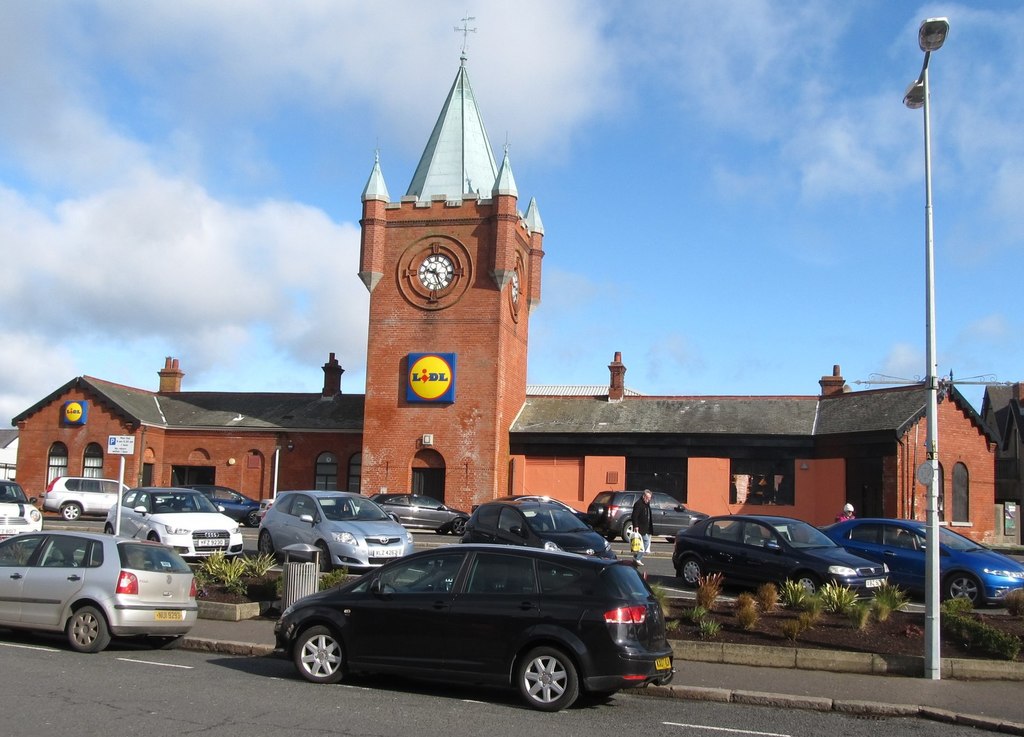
(643, 525)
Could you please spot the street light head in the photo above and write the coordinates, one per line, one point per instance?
(914, 97)
(932, 34)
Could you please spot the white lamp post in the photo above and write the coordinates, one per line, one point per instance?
(930, 37)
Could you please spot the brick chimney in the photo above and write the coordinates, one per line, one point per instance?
(834, 384)
(617, 384)
(170, 376)
(1018, 391)
(332, 377)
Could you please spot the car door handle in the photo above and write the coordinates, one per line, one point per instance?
(16, 576)
(440, 605)
(74, 577)
(527, 606)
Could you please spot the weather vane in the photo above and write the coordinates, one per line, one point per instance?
(466, 30)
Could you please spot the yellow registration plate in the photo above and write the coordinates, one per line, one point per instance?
(663, 664)
(167, 615)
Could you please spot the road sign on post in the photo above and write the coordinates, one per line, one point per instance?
(120, 445)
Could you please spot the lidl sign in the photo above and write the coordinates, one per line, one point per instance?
(75, 412)
(431, 378)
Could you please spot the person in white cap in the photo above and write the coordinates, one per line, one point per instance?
(846, 514)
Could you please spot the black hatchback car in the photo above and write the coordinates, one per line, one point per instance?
(756, 549)
(548, 624)
(534, 523)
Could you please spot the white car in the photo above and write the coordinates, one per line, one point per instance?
(17, 512)
(185, 519)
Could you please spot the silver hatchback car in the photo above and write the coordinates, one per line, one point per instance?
(93, 587)
(349, 529)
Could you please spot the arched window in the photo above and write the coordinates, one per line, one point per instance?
(57, 462)
(326, 472)
(92, 461)
(961, 494)
(355, 472)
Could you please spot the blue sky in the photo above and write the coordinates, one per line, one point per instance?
(732, 193)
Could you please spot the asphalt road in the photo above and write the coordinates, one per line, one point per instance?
(129, 690)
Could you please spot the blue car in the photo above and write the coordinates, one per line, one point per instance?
(967, 569)
(237, 506)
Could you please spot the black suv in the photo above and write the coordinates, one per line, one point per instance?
(546, 623)
(534, 523)
(611, 514)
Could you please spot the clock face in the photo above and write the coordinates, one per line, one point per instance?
(436, 272)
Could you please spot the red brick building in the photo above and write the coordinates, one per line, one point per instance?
(454, 274)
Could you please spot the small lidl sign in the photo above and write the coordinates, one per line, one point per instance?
(75, 412)
(431, 378)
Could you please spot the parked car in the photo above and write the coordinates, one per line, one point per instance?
(966, 568)
(234, 504)
(611, 514)
(582, 516)
(756, 549)
(349, 529)
(535, 524)
(93, 587)
(546, 623)
(73, 496)
(18, 513)
(415, 510)
(182, 518)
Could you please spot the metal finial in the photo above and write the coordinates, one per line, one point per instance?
(465, 30)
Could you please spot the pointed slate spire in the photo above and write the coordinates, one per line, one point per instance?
(458, 158)
(375, 188)
(533, 221)
(505, 182)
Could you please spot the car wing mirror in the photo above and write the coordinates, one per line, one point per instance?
(394, 517)
(772, 545)
(141, 509)
(517, 530)
(220, 507)
(306, 518)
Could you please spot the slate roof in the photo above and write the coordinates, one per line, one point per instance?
(224, 410)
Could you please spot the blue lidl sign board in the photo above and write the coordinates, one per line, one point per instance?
(75, 412)
(430, 378)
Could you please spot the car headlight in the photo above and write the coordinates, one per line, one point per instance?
(548, 545)
(885, 568)
(177, 530)
(1002, 573)
(232, 530)
(346, 538)
(408, 538)
(34, 515)
(607, 545)
(844, 571)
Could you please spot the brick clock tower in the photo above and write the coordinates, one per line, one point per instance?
(453, 270)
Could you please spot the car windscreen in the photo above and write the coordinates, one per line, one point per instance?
(802, 535)
(552, 519)
(12, 493)
(348, 509)
(143, 557)
(957, 542)
(181, 502)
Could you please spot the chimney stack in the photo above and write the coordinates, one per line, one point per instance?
(834, 384)
(617, 384)
(170, 376)
(332, 377)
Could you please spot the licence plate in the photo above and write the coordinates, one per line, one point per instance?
(169, 615)
(8, 532)
(663, 664)
(385, 552)
(211, 543)
(874, 583)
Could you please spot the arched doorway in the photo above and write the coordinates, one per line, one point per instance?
(428, 471)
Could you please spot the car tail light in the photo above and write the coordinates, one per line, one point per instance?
(626, 615)
(192, 593)
(127, 583)
(49, 486)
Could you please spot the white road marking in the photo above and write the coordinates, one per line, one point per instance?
(726, 729)
(31, 647)
(152, 662)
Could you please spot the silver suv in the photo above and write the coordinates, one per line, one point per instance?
(74, 496)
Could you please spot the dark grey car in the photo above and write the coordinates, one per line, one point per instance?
(424, 512)
(611, 514)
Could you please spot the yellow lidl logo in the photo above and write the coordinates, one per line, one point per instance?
(431, 377)
(74, 412)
